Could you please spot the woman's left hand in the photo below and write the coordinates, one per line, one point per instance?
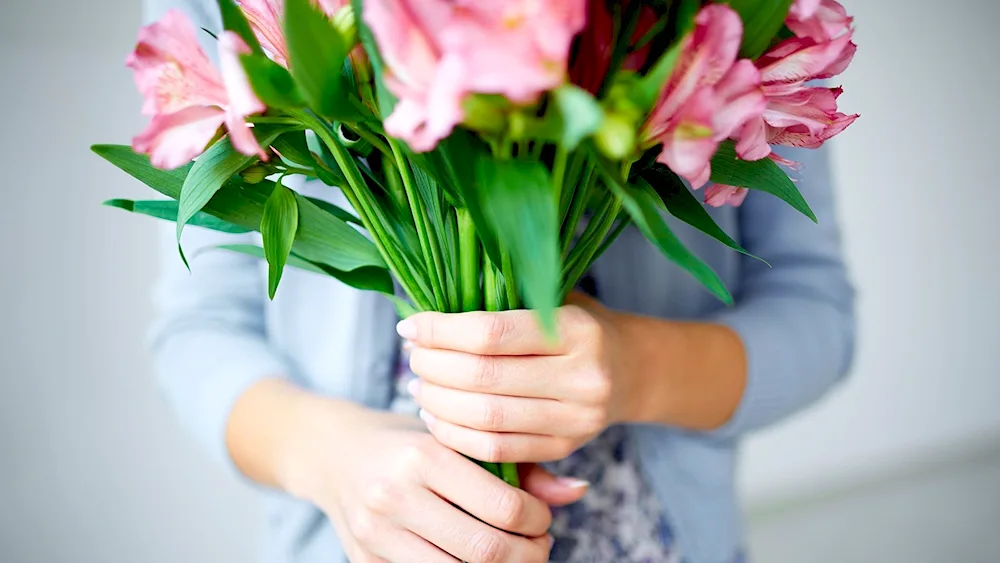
(493, 387)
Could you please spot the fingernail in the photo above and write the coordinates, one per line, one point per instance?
(427, 417)
(407, 329)
(573, 483)
(413, 387)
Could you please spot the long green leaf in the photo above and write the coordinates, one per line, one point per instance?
(277, 228)
(762, 20)
(323, 237)
(517, 199)
(763, 175)
(317, 51)
(648, 88)
(369, 278)
(214, 168)
(234, 20)
(167, 209)
(642, 207)
(681, 203)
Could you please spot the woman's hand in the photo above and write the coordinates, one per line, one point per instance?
(493, 387)
(391, 491)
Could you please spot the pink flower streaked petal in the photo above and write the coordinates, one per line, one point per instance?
(690, 143)
(718, 195)
(171, 70)
(739, 97)
(798, 60)
(820, 20)
(815, 108)
(242, 100)
(752, 141)
(799, 136)
(172, 140)
(265, 18)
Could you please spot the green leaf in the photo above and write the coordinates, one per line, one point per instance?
(322, 238)
(517, 200)
(277, 228)
(681, 203)
(295, 149)
(332, 209)
(369, 278)
(386, 100)
(763, 175)
(213, 169)
(234, 20)
(316, 54)
(272, 83)
(762, 20)
(580, 114)
(642, 206)
(168, 210)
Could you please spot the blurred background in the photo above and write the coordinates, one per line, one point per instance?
(900, 464)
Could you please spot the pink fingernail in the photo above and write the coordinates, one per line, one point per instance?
(427, 417)
(573, 483)
(413, 387)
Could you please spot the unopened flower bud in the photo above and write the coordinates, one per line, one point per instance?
(484, 113)
(616, 137)
(254, 174)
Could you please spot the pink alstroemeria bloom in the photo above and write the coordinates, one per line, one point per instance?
(796, 114)
(820, 20)
(265, 17)
(438, 51)
(708, 97)
(186, 96)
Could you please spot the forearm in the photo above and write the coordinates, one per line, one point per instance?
(685, 374)
(276, 430)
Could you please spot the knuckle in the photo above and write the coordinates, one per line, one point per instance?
(510, 507)
(596, 421)
(495, 329)
(414, 457)
(382, 496)
(495, 449)
(364, 527)
(488, 547)
(598, 386)
(486, 372)
(493, 415)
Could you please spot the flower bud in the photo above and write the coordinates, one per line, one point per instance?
(616, 138)
(254, 174)
(484, 113)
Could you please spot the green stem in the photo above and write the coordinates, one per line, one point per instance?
(510, 285)
(576, 209)
(273, 120)
(373, 140)
(559, 174)
(508, 472)
(432, 256)
(491, 289)
(469, 261)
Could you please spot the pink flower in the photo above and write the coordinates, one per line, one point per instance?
(265, 17)
(820, 20)
(796, 114)
(718, 195)
(186, 96)
(438, 51)
(707, 99)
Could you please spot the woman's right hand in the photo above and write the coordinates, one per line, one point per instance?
(393, 493)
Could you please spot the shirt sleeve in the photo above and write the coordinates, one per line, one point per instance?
(209, 341)
(796, 317)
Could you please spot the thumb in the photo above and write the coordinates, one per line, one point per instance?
(552, 490)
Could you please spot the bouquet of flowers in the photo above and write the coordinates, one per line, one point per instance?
(489, 151)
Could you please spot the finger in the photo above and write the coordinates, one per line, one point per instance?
(507, 333)
(376, 539)
(516, 376)
(495, 446)
(466, 538)
(552, 490)
(474, 490)
(496, 413)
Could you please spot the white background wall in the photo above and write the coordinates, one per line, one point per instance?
(93, 468)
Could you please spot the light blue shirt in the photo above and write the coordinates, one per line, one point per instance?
(217, 334)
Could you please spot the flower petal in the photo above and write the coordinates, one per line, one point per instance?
(172, 140)
(265, 18)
